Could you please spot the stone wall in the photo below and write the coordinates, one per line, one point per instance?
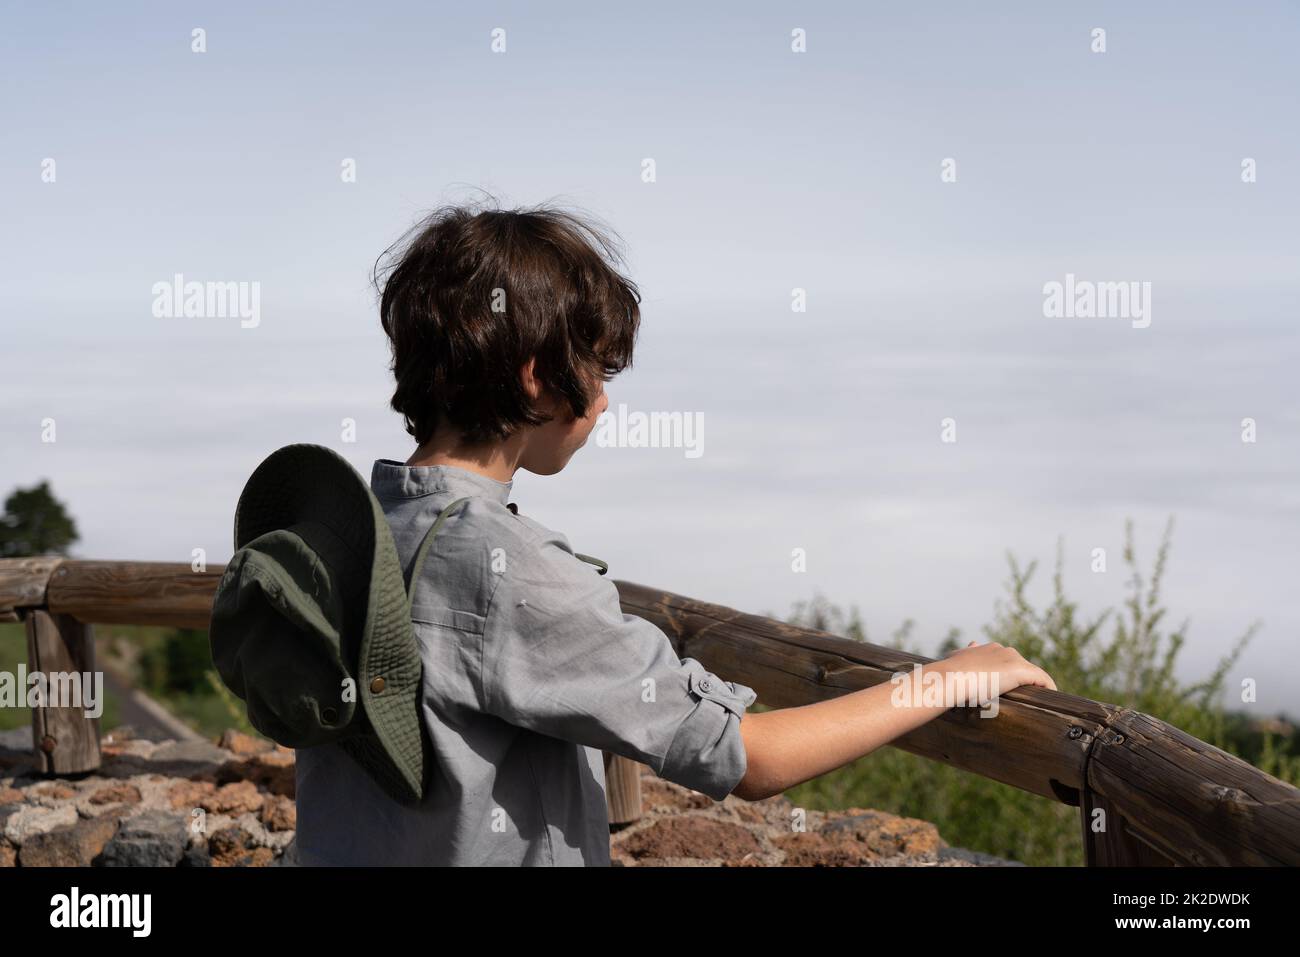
(157, 804)
(230, 804)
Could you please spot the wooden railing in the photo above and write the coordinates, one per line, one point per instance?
(1147, 793)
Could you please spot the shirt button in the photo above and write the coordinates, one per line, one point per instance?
(377, 685)
(706, 685)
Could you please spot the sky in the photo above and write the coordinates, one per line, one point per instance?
(126, 158)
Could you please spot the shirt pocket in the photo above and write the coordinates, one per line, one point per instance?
(431, 614)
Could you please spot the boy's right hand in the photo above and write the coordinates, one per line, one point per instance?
(1012, 669)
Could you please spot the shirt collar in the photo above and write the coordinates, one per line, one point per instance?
(396, 480)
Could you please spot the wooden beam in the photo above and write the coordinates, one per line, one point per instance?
(134, 593)
(1192, 802)
(1037, 741)
(23, 582)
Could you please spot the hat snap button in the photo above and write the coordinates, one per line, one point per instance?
(377, 685)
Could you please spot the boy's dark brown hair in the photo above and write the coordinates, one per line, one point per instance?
(470, 294)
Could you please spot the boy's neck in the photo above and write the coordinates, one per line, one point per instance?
(497, 461)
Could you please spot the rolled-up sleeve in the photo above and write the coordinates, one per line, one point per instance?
(562, 659)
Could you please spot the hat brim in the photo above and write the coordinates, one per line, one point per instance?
(304, 482)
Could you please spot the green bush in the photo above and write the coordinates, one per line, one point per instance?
(178, 664)
(1135, 669)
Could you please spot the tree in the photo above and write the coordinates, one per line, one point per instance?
(35, 523)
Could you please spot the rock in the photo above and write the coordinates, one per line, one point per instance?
(860, 838)
(233, 799)
(750, 814)
(6, 812)
(976, 858)
(116, 794)
(8, 854)
(112, 800)
(690, 836)
(234, 847)
(123, 732)
(187, 795)
(149, 839)
(884, 835)
(666, 796)
(75, 846)
(244, 745)
(236, 798)
(188, 753)
(812, 849)
(132, 748)
(273, 770)
(32, 819)
(126, 759)
(280, 814)
(196, 855)
(10, 795)
(181, 759)
(681, 828)
(50, 791)
(260, 835)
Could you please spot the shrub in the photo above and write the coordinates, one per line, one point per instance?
(1135, 669)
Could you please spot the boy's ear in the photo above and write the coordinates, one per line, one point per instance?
(529, 379)
(533, 386)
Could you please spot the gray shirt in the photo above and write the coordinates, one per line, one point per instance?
(531, 670)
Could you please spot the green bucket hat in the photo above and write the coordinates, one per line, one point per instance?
(311, 623)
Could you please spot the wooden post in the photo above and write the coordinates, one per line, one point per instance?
(1114, 844)
(67, 742)
(622, 788)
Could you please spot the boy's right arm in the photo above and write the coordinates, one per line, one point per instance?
(792, 745)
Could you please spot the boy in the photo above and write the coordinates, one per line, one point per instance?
(504, 328)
